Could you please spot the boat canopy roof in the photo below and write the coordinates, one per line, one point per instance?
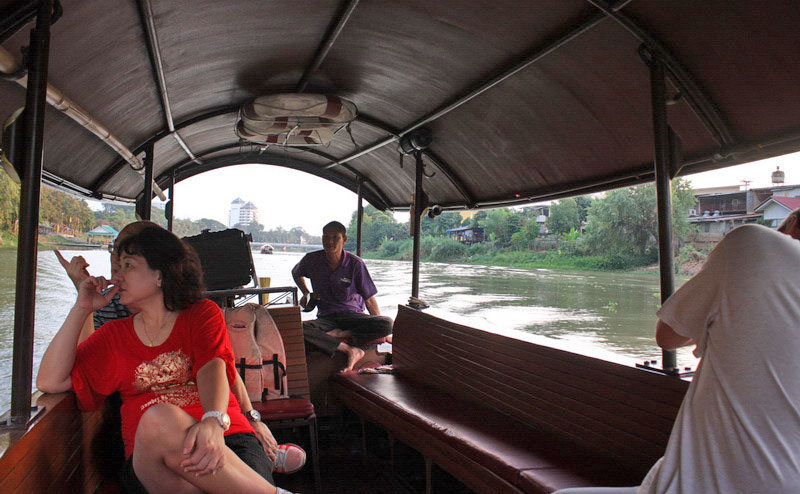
(525, 100)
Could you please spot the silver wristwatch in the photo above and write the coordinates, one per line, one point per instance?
(222, 417)
(252, 415)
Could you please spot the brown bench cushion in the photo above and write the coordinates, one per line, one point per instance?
(530, 459)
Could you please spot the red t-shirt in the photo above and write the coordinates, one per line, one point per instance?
(113, 359)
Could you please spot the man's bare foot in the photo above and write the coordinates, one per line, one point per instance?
(354, 354)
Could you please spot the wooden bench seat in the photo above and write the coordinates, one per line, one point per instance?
(507, 415)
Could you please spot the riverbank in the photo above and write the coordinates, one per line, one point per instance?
(486, 254)
(437, 249)
(46, 242)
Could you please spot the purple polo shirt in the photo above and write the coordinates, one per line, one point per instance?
(342, 290)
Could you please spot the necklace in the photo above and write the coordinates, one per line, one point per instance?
(158, 331)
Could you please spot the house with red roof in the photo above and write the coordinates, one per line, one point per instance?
(776, 208)
(722, 209)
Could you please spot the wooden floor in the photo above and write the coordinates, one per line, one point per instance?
(345, 469)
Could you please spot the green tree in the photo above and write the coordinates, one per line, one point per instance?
(439, 225)
(376, 227)
(584, 203)
(625, 220)
(500, 224)
(9, 202)
(564, 215)
(114, 215)
(66, 212)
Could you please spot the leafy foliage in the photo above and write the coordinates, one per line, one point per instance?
(564, 216)
(439, 225)
(9, 202)
(501, 224)
(376, 227)
(447, 249)
(65, 211)
(624, 222)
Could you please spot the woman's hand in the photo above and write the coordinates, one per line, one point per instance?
(90, 296)
(204, 448)
(266, 439)
(75, 268)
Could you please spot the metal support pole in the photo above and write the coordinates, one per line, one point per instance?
(359, 218)
(171, 204)
(418, 205)
(663, 191)
(30, 190)
(147, 193)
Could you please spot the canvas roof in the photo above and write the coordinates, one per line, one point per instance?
(526, 100)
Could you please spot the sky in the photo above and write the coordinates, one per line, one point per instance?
(289, 198)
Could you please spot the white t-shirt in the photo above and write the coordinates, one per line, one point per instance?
(738, 429)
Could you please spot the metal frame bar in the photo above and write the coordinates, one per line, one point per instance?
(312, 168)
(20, 12)
(534, 56)
(330, 38)
(374, 197)
(120, 164)
(418, 205)
(30, 190)
(154, 52)
(171, 209)
(382, 203)
(359, 217)
(661, 137)
(236, 292)
(434, 159)
(700, 102)
(147, 192)
(366, 120)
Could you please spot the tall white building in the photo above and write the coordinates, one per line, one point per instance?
(248, 213)
(242, 213)
(236, 207)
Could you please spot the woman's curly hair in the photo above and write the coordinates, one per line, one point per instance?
(181, 271)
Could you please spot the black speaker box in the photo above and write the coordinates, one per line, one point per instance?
(226, 258)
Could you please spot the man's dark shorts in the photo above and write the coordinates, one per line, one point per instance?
(244, 444)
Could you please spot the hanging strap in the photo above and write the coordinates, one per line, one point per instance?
(277, 368)
(242, 365)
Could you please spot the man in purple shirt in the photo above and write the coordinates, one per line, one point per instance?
(343, 288)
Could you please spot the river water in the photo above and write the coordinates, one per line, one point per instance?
(606, 315)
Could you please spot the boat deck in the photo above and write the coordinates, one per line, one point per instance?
(345, 469)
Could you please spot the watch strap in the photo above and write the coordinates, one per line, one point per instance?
(217, 415)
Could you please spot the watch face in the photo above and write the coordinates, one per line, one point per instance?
(226, 421)
(253, 416)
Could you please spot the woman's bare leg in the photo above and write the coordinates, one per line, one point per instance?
(159, 452)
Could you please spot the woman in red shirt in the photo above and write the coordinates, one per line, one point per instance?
(172, 363)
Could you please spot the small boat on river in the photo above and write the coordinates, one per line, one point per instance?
(450, 105)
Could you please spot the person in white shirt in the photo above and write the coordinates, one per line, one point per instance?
(738, 429)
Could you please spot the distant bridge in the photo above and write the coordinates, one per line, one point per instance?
(287, 247)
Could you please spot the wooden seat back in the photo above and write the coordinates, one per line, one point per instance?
(610, 408)
(62, 451)
(290, 325)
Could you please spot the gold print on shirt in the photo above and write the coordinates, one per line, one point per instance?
(169, 378)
